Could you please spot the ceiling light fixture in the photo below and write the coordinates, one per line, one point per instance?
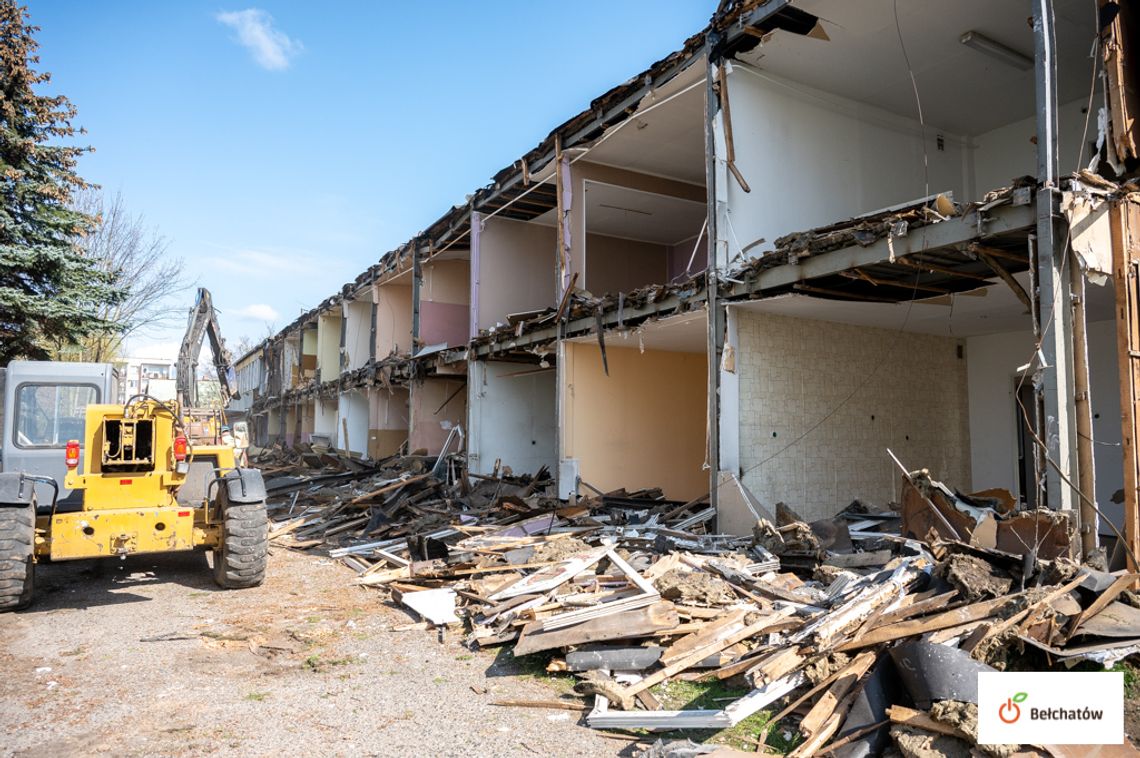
(996, 50)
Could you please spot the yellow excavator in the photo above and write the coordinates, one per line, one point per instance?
(83, 475)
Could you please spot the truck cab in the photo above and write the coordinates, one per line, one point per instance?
(44, 405)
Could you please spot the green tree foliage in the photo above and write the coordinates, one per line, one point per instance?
(50, 293)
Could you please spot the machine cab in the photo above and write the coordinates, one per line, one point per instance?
(43, 406)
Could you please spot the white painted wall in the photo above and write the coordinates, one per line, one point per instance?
(992, 364)
(820, 403)
(512, 418)
(324, 418)
(358, 332)
(328, 347)
(352, 411)
(845, 158)
(1008, 151)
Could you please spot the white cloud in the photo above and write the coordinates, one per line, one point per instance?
(258, 312)
(271, 48)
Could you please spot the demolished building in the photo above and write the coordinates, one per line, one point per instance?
(817, 232)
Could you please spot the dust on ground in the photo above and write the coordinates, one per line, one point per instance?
(147, 657)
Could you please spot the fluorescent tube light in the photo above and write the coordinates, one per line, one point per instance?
(996, 50)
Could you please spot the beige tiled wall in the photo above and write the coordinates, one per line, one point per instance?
(797, 373)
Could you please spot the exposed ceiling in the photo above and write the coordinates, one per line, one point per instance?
(989, 310)
(687, 333)
(637, 215)
(667, 141)
(962, 90)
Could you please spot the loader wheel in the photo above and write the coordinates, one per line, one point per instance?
(17, 568)
(240, 561)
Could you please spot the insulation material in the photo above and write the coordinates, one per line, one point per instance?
(1090, 233)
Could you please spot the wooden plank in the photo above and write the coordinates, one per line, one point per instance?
(723, 627)
(1126, 218)
(956, 617)
(642, 622)
(900, 714)
(701, 653)
(829, 702)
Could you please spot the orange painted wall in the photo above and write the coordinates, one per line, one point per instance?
(643, 425)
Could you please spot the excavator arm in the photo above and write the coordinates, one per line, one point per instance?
(203, 324)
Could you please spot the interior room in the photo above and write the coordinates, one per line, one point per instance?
(819, 140)
(393, 301)
(352, 422)
(328, 345)
(513, 265)
(388, 421)
(807, 418)
(445, 297)
(437, 406)
(644, 424)
(513, 416)
(308, 352)
(357, 331)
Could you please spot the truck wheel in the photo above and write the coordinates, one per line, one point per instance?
(240, 560)
(17, 568)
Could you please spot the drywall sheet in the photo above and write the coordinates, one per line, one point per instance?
(393, 320)
(516, 268)
(820, 402)
(993, 361)
(642, 426)
(437, 406)
(616, 265)
(325, 418)
(513, 416)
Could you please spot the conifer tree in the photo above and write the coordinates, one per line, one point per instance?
(49, 291)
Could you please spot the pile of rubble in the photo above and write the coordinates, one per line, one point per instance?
(860, 632)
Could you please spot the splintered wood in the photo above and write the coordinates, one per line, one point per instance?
(629, 591)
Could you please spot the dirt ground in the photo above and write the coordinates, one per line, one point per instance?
(147, 657)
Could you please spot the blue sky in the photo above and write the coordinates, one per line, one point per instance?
(283, 147)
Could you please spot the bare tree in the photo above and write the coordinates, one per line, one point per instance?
(122, 245)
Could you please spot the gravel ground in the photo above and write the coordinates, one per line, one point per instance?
(147, 657)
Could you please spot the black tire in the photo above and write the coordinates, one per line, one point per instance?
(240, 560)
(17, 566)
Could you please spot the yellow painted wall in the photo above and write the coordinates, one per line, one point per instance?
(641, 426)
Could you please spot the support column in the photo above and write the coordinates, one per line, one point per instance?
(715, 313)
(1055, 386)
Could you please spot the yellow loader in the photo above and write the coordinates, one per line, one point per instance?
(134, 481)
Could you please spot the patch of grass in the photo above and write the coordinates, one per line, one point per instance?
(534, 667)
(80, 650)
(198, 594)
(439, 680)
(1131, 679)
(464, 657)
(257, 697)
(715, 695)
(313, 620)
(316, 663)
